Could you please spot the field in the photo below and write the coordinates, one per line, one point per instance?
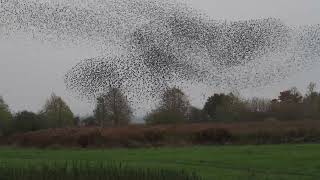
(283, 162)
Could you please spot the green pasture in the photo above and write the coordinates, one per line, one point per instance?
(283, 162)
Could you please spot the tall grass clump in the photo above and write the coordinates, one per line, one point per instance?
(85, 170)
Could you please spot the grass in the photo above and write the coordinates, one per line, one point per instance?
(283, 162)
(85, 170)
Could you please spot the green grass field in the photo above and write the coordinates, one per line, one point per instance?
(287, 162)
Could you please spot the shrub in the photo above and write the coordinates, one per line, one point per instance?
(164, 117)
(27, 121)
(264, 132)
(154, 136)
(213, 136)
(292, 135)
(93, 138)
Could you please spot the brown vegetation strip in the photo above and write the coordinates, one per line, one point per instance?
(179, 134)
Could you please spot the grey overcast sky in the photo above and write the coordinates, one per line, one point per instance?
(30, 70)
(291, 11)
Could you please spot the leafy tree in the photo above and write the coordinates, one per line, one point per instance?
(288, 106)
(113, 108)
(290, 96)
(174, 108)
(197, 115)
(57, 113)
(225, 107)
(311, 103)
(27, 121)
(5, 118)
(176, 101)
(215, 103)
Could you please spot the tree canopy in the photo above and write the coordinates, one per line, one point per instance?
(27, 121)
(224, 106)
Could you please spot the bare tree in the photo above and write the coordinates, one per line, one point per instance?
(113, 108)
(311, 89)
(57, 113)
(259, 104)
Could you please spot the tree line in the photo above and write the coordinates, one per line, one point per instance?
(113, 109)
(54, 114)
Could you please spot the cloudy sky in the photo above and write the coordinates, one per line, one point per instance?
(31, 70)
(291, 11)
